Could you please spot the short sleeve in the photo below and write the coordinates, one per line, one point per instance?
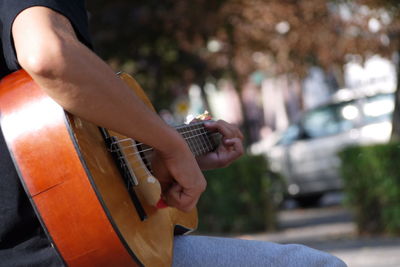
(74, 10)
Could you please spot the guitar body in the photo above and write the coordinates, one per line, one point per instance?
(76, 187)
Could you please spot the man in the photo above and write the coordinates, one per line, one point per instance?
(49, 39)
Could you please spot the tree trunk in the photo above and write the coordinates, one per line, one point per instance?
(238, 84)
(202, 84)
(396, 113)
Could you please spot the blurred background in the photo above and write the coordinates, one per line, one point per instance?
(314, 87)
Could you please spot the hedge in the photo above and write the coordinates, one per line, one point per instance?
(372, 185)
(239, 198)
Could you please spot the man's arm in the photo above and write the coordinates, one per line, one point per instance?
(48, 49)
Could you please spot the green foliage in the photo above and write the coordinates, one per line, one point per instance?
(238, 198)
(372, 185)
(160, 42)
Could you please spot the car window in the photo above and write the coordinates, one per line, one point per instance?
(378, 108)
(331, 119)
(340, 117)
(290, 135)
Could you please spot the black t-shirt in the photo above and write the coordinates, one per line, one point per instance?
(22, 240)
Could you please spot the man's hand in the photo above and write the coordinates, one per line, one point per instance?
(182, 182)
(180, 177)
(229, 150)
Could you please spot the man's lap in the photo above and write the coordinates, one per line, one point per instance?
(213, 251)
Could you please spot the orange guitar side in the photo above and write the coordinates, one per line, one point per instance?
(75, 187)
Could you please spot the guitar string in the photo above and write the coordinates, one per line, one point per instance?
(196, 142)
(195, 152)
(200, 131)
(139, 143)
(187, 138)
(148, 157)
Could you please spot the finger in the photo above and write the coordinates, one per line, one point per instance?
(227, 129)
(234, 151)
(162, 174)
(240, 134)
(238, 145)
(172, 196)
(222, 127)
(179, 199)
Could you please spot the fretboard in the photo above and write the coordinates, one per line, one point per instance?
(199, 139)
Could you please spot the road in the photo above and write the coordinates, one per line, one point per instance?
(330, 228)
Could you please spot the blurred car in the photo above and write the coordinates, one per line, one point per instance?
(306, 153)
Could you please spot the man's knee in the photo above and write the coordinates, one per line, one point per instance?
(306, 256)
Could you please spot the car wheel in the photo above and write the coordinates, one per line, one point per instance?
(309, 200)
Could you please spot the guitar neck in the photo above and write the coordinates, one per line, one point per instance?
(199, 139)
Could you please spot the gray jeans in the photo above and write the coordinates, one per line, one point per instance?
(193, 251)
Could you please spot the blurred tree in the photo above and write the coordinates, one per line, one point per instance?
(297, 34)
(393, 7)
(161, 42)
(172, 43)
(285, 36)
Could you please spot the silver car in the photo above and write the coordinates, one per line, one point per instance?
(306, 153)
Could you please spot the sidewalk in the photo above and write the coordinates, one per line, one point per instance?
(331, 229)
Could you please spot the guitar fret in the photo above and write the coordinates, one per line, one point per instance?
(206, 140)
(185, 132)
(198, 143)
(202, 139)
(197, 138)
(201, 147)
(192, 140)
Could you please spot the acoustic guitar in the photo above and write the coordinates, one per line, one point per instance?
(92, 188)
